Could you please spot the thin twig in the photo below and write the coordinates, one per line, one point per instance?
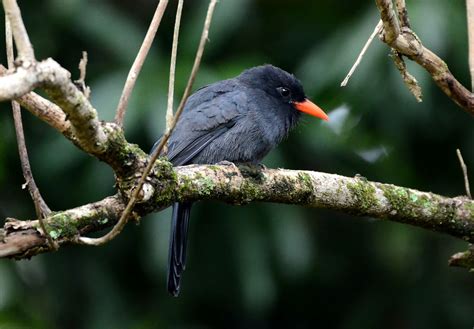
(409, 80)
(133, 199)
(22, 40)
(464, 172)
(138, 63)
(362, 52)
(174, 51)
(42, 209)
(470, 37)
(81, 82)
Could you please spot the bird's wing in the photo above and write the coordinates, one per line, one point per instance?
(183, 155)
(203, 123)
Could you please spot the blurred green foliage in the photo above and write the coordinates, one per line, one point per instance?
(262, 265)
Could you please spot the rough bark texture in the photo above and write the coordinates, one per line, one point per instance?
(405, 41)
(243, 184)
(74, 116)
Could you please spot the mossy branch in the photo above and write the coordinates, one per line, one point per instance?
(74, 116)
(241, 185)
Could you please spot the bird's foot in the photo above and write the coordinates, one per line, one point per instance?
(228, 164)
(252, 170)
(262, 166)
(225, 163)
(359, 176)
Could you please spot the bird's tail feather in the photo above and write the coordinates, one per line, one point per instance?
(177, 245)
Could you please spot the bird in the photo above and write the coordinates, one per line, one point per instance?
(237, 120)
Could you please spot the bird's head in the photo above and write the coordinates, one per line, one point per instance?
(282, 85)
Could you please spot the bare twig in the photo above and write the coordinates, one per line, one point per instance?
(20, 239)
(470, 36)
(42, 209)
(83, 67)
(45, 110)
(409, 45)
(81, 82)
(138, 63)
(174, 51)
(362, 53)
(464, 173)
(408, 79)
(134, 197)
(22, 40)
(56, 81)
(463, 259)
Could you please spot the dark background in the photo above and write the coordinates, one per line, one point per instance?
(262, 265)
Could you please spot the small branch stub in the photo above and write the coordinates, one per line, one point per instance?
(464, 173)
(408, 79)
(463, 259)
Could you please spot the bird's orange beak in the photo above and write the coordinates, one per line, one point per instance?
(310, 108)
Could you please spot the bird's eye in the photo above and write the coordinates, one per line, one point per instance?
(285, 92)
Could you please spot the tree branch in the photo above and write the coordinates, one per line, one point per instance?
(174, 52)
(408, 44)
(22, 40)
(137, 191)
(464, 173)
(164, 184)
(470, 37)
(138, 63)
(56, 81)
(44, 110)
(24, 239)
(362, 53)
(243, 184)
(402, 14)
(41, 208)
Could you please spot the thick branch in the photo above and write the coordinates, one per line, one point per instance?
(408, 44)
(240, 185)
(23, 239)
(48, 112)
(57, 83)
(44, 109)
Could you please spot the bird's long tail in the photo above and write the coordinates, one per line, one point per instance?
(177, 245)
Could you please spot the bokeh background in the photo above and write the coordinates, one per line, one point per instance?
(261, 265)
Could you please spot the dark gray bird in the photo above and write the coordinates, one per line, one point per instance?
(238, 120)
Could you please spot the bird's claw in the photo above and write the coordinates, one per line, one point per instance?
(226, 163)
(359, 176)
(262, 166)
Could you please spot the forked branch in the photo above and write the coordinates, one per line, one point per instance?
(398, 35)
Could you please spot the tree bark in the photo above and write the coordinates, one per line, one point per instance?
(244, 184)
